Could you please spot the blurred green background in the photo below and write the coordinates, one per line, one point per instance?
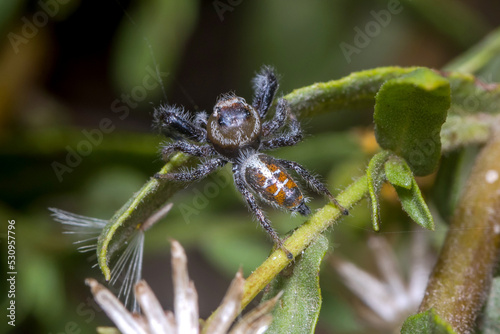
(72, 69)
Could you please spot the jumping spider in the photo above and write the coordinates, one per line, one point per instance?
(236, 132)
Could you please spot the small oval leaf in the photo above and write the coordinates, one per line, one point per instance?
(409, 113)
(414, 205)
(398, 172)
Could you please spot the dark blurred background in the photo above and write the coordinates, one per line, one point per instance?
(72, 69)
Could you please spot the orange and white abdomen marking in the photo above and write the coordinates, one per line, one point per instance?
(271, 182)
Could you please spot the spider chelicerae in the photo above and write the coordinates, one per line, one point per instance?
(237, 132)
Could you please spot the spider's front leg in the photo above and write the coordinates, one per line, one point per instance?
(313, 182)
(265, 85)
(169, 117)
(254, 207)
(203, 170)
(279, 119)
(290, 138)
(188, 148)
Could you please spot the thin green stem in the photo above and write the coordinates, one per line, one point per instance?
(301, 238)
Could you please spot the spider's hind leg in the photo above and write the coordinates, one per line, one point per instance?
(254, 207)
(313, 182)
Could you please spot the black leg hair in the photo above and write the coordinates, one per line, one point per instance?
(175, 118)
(254, 207)
(282, 111)
(186, 147)
(265, 85)
(196, 174)
(290, 138)
(313, 182)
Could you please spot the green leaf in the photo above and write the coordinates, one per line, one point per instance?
(375, 177)
(409, 113)
(398, 173)
(414, 205)
(491, 319)
(427, 322)
(298, 309)
(152, 196)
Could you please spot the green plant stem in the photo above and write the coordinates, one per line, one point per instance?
(461, 279)
(300, 239)
(354, 92)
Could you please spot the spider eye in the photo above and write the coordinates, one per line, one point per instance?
(235, 115)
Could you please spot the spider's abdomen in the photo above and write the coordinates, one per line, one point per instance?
(273, 184)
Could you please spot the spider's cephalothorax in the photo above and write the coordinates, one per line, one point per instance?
(234, 126)
(236, 132)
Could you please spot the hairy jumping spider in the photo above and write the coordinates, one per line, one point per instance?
(236, 132)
